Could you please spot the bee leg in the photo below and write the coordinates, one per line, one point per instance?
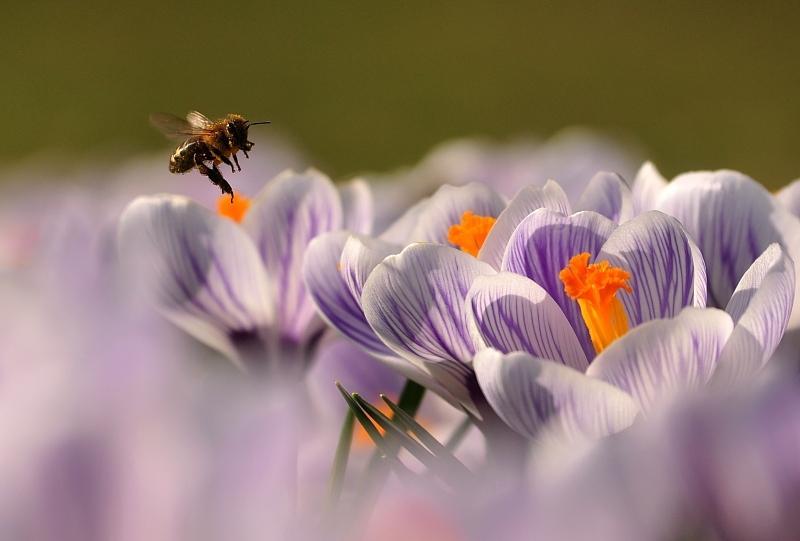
(219, 157)
(236, 161)
(214, 176)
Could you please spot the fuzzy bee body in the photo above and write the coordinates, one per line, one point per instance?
(206, 143)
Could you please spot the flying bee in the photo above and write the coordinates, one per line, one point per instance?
(207, 143)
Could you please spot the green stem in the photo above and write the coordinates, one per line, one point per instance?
(411, 397)
(339, 467)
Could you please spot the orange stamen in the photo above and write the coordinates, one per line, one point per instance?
(595, 288)
(236, 209)
(471, 233)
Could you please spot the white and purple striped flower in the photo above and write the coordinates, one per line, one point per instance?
(238, 287)
(544, 361)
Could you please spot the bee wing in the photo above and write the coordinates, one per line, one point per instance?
(173, 126)
(198, 120)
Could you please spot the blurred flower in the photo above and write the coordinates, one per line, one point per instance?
(712, 466)
(40, 197)
(789, 197)
(571, 157)
(238, 288)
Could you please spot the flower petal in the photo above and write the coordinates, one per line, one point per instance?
(203, 270)
(664, 356)
(527, 200)
(446, 207)
(509, 312)
(290, 211)
(607, 194)
(357, 206)
(415, 303)
(334, 299)
(733, 219)
(543, 244)
(360, 255)
(789, 197)
(665, 277)
(646, 189)
(760, 308)
(527, 392)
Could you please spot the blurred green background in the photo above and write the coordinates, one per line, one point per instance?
(373, 85)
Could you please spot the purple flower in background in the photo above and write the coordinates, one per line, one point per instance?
(716, 466)
(238, 288)
(730, 216)
(789, 197)
(571, 157)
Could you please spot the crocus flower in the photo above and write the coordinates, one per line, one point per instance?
(233, 281)
(595, 344)
(731, 217)
(472, 221)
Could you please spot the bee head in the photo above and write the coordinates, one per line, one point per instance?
(236, 130)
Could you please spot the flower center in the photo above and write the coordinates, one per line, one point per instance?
(234, 210)
(471, 233)
(595, 288)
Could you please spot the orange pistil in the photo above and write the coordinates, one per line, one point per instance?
(595, 288)
(236, 209)
(471, 233)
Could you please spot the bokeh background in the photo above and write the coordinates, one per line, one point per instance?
(374, 85)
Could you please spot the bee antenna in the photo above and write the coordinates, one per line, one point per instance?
(262, 122)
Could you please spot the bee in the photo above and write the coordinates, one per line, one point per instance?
(207, 143)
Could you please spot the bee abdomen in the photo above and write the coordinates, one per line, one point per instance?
(183, 158)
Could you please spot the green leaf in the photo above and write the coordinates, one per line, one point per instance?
(339, 467)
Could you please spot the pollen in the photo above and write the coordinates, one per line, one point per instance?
(235, 209)
(471, 232)
(595, 287)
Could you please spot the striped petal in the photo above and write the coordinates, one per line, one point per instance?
(543, 244)
(760, 308)
(415, 303)
(665, 276)
(527, 392)
(446, 207)
(733, 219)
(662, 357)
(331, 294)
(607, 194)
(203, 271)
(527, 200)
(509, 312)
(290, 211)
(359, 258)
